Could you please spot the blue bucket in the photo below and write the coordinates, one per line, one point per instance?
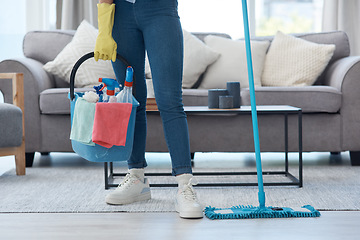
(99, 153)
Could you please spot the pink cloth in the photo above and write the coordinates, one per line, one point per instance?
(111, 123)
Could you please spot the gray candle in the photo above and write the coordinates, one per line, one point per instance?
(234, 90)
(213, 97)
(226, 102)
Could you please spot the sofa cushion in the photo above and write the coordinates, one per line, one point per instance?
(231, 65)
(195, 97)
(309, 99)
(55, 100)
(10, 125)
(292, 61)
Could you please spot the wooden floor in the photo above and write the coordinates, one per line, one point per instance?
(149, 226)
(331, 225)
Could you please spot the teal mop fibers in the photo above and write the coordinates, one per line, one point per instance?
(245, 212)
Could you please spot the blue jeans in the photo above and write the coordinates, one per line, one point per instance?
(154, 26)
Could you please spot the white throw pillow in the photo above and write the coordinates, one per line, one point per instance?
(231, 65)
(150, 88)
(89, 72)
(293, 61)
(197, 57)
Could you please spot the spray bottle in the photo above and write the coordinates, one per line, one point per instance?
(110, 85)
(125, 96)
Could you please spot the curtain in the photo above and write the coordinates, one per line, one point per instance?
(70, 13)
(343, 15)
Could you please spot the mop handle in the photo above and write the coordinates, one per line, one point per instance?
(261, 194)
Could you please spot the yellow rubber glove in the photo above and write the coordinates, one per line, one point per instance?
(105, 47)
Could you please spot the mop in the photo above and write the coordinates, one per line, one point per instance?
(261, 211)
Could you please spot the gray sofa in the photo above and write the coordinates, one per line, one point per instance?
(331, 120)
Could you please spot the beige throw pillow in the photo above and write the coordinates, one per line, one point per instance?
(197, 57)
(293, 61)
(231, 65)
(89, 72)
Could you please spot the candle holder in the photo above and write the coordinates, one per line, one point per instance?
(213, 97)
(226, 102)
(233, 89)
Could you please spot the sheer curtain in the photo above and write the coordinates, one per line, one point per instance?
(71, 13)
(344, 15)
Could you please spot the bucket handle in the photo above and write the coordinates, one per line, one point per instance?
(83, 59)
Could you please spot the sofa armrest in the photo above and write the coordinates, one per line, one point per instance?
(337, 72)
(344, 74)
(35, 81)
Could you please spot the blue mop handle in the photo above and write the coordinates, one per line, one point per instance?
(261, 193)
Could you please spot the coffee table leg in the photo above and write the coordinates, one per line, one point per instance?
(106, 175)
(300, 150)
(286, 144)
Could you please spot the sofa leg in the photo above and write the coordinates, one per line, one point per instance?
(29, 159)
(355, 158)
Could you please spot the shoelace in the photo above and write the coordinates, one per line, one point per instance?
(188, 192)
(126, 181)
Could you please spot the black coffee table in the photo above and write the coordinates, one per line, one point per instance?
(284, 110)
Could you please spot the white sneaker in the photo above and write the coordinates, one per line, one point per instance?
(186, 203)
(131, 189)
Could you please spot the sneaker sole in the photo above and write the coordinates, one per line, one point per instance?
(189, 214)
(116, 201)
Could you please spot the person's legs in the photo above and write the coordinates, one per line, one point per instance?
(134, 187)
(156, 22)
(163, 38)
(131, 46)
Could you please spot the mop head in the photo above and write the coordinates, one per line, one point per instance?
(246, 212)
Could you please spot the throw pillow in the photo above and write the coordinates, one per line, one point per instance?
(89, 72)
(231, 65)
(293, 61)
(197, 57)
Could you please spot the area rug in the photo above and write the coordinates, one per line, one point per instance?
(66, 189)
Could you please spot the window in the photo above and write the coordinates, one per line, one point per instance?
(288, 16)
(21, 17)
(212, 16)
(12, 28)
(265, 16)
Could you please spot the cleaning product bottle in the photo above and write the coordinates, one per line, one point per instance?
(125, 96)
(110, 85)
(99, 92)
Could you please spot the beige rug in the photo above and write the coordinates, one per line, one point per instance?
(65, 189)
